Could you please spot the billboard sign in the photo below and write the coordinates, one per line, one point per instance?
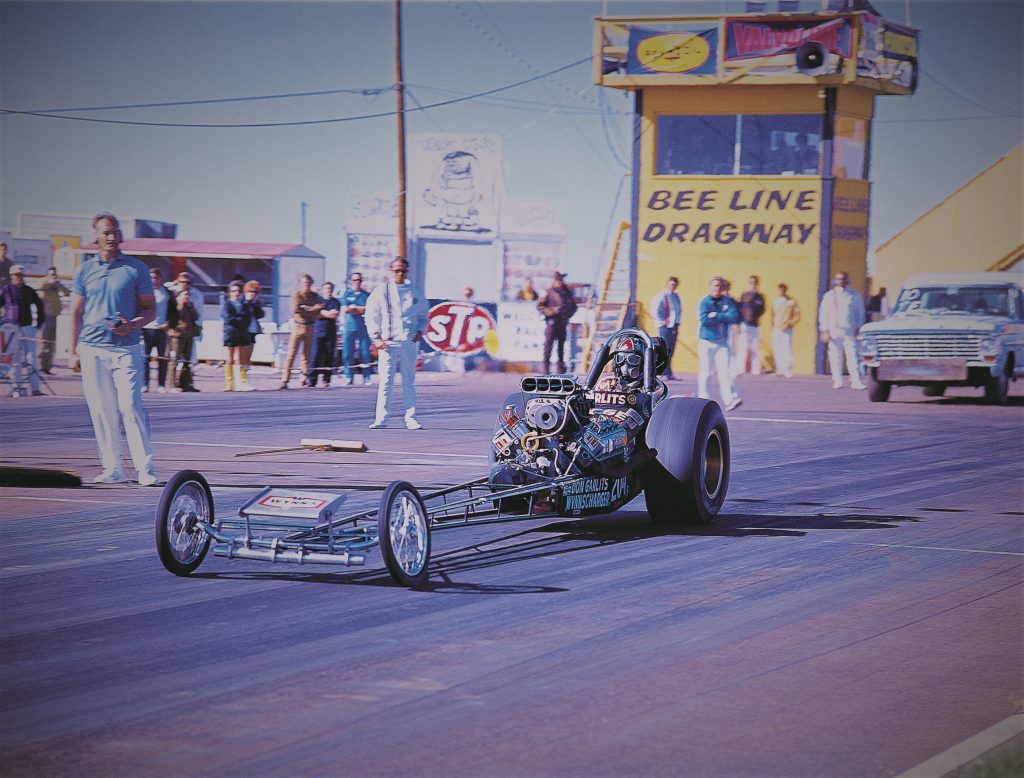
(461, 328)
(456, 186)
(672, 49)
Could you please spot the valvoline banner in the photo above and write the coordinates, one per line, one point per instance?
(462, 328)
(672, 52)
(748, 40)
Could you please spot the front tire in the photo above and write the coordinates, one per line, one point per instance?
(687, 481)
(404, 534)
(185, 502)
(878, 391)
(997, 388)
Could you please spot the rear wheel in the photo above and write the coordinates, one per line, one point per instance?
(180, 541)
(404, 534)
(687, 481)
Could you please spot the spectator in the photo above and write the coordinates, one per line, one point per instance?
(840, 317)
(182, 328)
(878, 305)
(237, 315)
(154, 334)
(356, 342)
(396, 316)
(748, 344)
(527, 293)
(717, 314)
(5, 266)
(558, 306)
(52, 290)
(113, 299)
(251, 294)
(468, 294)
(17, 300)
(667, 310)
(306, 307)
(198, 300)
(785, 314)
(325, 337)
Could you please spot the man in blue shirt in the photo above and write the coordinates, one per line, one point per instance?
(113, 300)
(325, 337)
(717, 313)
(356, 344)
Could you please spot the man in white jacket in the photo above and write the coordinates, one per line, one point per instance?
(396, 316)
(840, 316)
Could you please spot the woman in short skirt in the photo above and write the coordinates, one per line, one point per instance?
(237, 315)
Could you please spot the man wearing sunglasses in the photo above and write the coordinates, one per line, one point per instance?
(396, 316)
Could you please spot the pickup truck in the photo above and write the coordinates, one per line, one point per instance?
(949, 329)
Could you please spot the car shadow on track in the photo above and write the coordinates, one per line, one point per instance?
(570, 536)
(378, 578)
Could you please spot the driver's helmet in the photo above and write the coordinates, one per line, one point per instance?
(628, 362)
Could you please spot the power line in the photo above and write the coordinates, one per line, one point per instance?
(365, 91)
(337, 120)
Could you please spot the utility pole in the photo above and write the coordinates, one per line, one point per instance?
(400, 96)
(302, 207)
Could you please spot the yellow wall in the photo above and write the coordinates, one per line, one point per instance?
(696, 227)
(733, 227)
(974, 228)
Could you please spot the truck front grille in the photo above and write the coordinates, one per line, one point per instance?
(928, 345)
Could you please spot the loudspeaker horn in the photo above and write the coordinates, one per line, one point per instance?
(812, 58)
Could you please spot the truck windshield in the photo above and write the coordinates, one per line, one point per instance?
(979, 300)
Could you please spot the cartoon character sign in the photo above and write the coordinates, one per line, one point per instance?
(455, 186)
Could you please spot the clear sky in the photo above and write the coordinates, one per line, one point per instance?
(564, 139)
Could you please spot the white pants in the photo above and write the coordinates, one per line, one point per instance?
(112, 378)
(747, 342)
(400, 355)
(841, 344)
(27, 358)
(782, 347)
(709, 353)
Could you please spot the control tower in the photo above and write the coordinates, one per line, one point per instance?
(751, 151)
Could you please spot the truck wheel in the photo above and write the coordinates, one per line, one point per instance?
(687, 481)
(878, 391)
(180, 542)
(404, 534)
(935, 390)
(997, 388)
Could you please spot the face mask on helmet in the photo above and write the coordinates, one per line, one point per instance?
(628, 362)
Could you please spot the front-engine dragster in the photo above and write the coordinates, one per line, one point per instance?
(559, 448)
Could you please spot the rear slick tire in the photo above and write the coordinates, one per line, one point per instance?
(687, 481)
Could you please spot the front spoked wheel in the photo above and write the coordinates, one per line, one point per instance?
(180, 541)
(404, 534)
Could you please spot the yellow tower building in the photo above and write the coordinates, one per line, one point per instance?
(752, 137)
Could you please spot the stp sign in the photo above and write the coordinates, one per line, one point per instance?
(458, 328)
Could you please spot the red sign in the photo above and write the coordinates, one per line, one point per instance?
(458, 328)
